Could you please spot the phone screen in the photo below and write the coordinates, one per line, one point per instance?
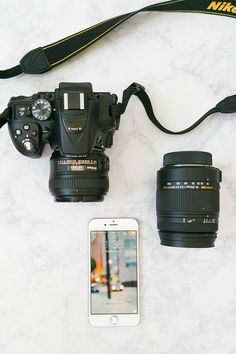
(113, 272)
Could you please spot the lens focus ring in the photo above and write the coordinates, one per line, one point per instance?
(187, 200)
(74, 182)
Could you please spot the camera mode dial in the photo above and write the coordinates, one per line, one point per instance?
(41, 109)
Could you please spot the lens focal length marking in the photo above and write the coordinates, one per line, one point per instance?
(188, 185)
(78, 165)
(188, 220)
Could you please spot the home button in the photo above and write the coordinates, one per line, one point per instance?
(114, 320)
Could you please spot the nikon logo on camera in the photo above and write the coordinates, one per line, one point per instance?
(222, 6)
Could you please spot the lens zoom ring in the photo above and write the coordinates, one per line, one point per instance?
(190, 200)
(69, 182)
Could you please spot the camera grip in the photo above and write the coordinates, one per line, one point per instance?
(27, 138)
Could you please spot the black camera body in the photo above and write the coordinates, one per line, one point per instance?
(79, 125)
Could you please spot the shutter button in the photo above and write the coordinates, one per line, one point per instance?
(28, 146)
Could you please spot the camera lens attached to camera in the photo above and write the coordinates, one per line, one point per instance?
(79, 179)
(188, 200)
(79, 125)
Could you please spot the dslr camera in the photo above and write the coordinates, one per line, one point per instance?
(78, 124)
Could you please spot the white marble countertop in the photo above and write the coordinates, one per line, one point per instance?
(188, 296)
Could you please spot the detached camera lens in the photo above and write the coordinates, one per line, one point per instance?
(188, 200)
(79, 179)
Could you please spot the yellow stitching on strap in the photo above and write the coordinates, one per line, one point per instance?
(166, 3)
(86, 45)
(123, 19)
(100, 23)
(74, 35)
(206, 12)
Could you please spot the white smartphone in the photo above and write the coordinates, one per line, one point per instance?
(114, 272)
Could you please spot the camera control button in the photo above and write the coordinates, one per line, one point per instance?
(20, 111)
(34, 133)
(18, 132)
(41, 109)
(28, 146)
(114, 320)
(26, 127)
(28, 112)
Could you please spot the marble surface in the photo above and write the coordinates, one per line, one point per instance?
(188, 296)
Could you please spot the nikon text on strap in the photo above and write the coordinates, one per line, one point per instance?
(42, 59)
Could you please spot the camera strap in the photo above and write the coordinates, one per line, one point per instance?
(4, 117)
(228, 105)
(42, 59)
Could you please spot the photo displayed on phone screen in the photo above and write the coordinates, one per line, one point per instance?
(113, 272)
